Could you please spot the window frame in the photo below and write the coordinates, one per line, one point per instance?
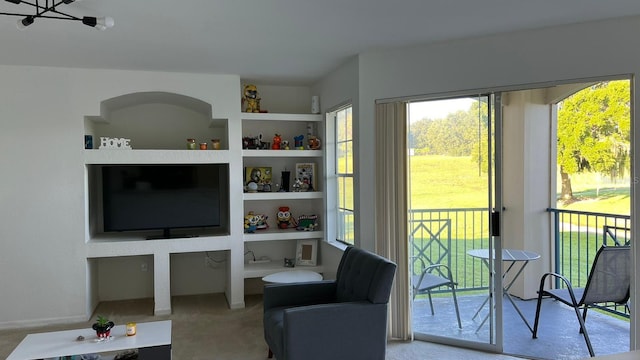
(336, 183)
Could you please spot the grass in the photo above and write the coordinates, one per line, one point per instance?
(455, 182)
(441, 182)
(446, 182)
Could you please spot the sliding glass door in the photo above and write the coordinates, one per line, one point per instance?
(454, 211)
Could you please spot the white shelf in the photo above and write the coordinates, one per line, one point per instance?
(109, 245)
(107, 156)
(277, 265)
(282, 117)
(279, 234)
(303, 195)
(281, 153)
(288, 126)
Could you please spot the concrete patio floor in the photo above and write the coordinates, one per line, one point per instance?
(558, 331)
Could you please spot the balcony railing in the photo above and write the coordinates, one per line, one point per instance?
(578, 236)
(445, 236)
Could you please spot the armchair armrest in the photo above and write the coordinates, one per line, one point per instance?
(360, 324)
(298, 294)
(567, 283)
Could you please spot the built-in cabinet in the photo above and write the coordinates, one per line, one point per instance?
(164, 142)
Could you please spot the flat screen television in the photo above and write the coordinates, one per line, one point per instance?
(164, 197)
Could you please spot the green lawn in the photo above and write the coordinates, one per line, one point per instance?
(446, 182)
(440, 182)
(455, 182)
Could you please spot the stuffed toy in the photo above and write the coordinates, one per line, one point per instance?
(251, 99)
(277, 139)
(284, 218)
(314, 143)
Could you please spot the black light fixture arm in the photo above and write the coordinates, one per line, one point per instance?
(48, 10)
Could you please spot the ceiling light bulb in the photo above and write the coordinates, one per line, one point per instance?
(99, 23)
(22, 24)
(104, 23)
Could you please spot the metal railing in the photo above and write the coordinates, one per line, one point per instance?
(445, 236)
(578, 236)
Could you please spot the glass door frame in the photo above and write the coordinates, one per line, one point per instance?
(495, 291)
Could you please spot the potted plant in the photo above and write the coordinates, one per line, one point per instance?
(103, 326)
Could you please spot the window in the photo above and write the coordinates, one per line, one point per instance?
(344, 175)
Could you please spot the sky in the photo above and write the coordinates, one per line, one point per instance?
(437, 109)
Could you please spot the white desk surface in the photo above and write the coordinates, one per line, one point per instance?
(292, 276)
(64, 343)
(507, 254)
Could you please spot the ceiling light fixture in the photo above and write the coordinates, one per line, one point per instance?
(49, 10)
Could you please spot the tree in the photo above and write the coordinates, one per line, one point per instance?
(454, 135)
(594, 132)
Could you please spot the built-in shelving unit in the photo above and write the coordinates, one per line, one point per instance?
(166, 144)
(281, 243)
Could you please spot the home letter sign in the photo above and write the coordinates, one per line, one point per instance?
(114, 143)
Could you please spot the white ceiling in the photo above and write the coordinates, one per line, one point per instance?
(292, 42)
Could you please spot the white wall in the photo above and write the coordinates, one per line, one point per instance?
(43, 268)
(338, 88)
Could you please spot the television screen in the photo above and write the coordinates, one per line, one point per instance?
(148, 197)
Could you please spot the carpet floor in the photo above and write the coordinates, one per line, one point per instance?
(204, 328)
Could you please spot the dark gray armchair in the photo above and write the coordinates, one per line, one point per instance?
(344, 318)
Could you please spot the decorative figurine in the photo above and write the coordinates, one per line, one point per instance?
(289, 262)
(307, 222)
(297, 185)
(253, 222)
(251, 99)
(285, 144)
(284, 217)
(250, 223)
(298, 142)
(276, 142)
(249, 142)
(314, 143)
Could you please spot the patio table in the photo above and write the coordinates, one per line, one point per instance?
(513, 257)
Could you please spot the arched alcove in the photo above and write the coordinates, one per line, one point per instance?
(156, 120)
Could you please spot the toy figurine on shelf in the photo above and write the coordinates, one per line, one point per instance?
(285, 144)
(277, 139)
(298, 142)
(285, 220)
(250, 223)
(250, 99)
(253, 222)
(314, 143)
(307, 222)
(297, 185)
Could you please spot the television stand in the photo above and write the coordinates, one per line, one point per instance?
(166, 234)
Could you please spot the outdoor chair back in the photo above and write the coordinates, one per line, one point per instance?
(609, 282)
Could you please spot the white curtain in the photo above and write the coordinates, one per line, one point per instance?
(392, 208)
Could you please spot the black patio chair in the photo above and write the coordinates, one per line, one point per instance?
(432, 277)
(608, 282)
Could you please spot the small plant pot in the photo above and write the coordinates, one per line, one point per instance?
(103, 331)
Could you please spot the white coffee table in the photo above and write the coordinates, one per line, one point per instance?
(152, 339)
(292, 276)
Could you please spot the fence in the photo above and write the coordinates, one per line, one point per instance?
(445, 236)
